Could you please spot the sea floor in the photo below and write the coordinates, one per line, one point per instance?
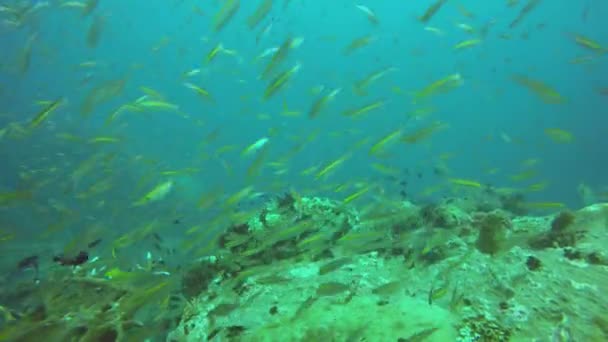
(310, 269)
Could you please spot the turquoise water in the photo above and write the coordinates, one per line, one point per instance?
(494, 127)
(487, 105)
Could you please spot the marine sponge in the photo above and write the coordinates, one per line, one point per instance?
(562, 221)
(492, 231)
(561, 233)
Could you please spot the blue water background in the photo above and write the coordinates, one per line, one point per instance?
(487, 105)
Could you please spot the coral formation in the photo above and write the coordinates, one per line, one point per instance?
(306, 268)
(445, 215)
(391, 262)
(480, 328)
(562, 233)
(492, 231)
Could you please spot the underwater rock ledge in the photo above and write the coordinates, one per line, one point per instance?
(310, 269)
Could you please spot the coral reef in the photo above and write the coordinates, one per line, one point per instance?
(360, 279)
(304, 269)
(480, 328)
(445, 215)
(563, 233)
